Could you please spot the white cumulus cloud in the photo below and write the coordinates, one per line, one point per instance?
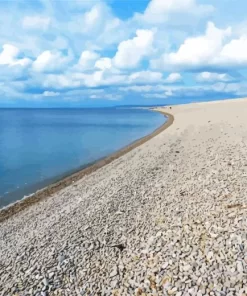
(213, 77)
(131, 52)
(195, 51)
(93, 17)
(216, 49)
(145, 77)
(10, 56)
(87, 60)
(233, 53)
(49, 61)
(173, 78)
(103, 63)
(50, 93)
(158, 11)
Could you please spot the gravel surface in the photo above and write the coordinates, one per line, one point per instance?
(168, 218)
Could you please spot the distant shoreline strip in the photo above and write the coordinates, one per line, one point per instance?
(41, 194)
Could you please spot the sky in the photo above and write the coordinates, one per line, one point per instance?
(57, 53)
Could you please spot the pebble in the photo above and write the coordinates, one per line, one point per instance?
(240, 267)
(46, 282)
(187, 267)
(114, 272)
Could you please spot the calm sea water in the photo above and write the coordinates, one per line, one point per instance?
(40, 145)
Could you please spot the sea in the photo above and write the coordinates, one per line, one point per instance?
(40, 146)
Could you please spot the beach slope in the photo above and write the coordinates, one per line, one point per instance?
(167, 218)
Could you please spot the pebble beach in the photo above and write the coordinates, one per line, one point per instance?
(167, 218)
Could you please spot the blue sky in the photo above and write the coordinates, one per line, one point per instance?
(115, 52)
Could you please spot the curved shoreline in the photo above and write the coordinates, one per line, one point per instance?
(41, 194)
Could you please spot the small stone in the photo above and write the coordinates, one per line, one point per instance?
(210, 255)
(187, 267)
(51, 275)
(114, 284)
(213, 235)
(45, 282)
(164, 266)
(159, 234)
(114, 272)
(61, 258)
(199, 281)
(138, 292)
(240, 267)
(172, 291)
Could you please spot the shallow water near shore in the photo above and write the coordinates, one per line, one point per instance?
(40, 146)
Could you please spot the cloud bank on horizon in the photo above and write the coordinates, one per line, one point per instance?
(121, 52)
